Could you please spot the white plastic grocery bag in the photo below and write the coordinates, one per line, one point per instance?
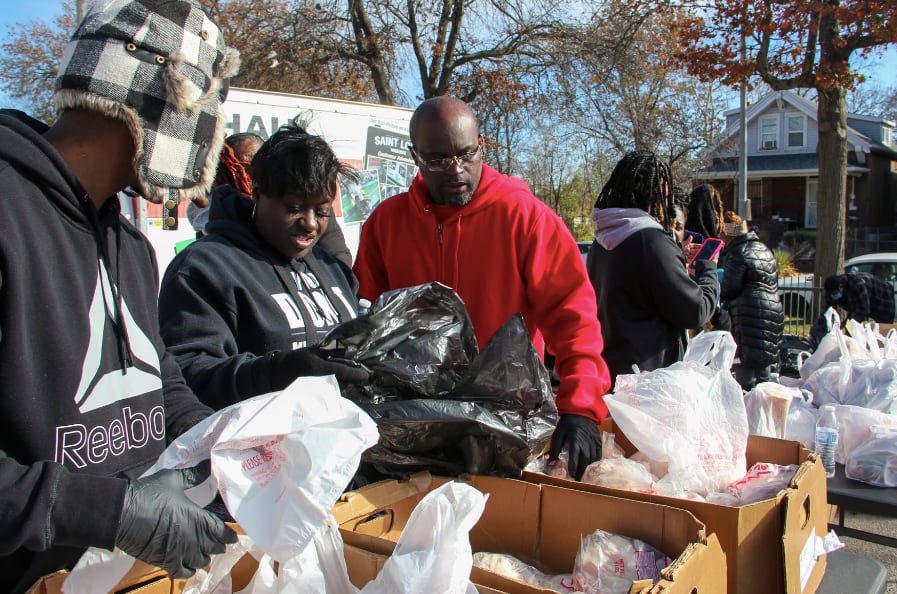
(875, 460)
(829, 348)
(217, 579)
(767, 406)
(433, 554)
(855, 427)
(862, 376)
(690, 414)
(305, 441)
(608, 563)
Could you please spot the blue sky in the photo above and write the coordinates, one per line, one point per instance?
(881, 71)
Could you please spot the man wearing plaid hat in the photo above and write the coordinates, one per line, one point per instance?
(88, 395)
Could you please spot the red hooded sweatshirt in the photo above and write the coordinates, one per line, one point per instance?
(503, 252)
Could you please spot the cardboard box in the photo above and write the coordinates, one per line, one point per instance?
(542, 525)
(364, 566)
(764, 542)
(140, 579)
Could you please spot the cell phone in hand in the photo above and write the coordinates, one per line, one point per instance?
(710, 249)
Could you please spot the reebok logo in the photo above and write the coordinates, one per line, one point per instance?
(78, 445)
(99, 387)
(102, 384)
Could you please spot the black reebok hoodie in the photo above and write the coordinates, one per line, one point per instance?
(88, 394)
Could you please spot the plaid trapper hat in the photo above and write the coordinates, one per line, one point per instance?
(161, 67)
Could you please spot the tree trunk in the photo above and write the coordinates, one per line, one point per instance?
(369, 51)
(380, 74)
(831, 200)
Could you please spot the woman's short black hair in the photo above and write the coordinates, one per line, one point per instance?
(294, 162)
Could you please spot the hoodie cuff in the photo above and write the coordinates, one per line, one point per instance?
(266, 373)
(87, 510)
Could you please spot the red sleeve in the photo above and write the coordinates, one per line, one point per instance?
(567, 315)
(369, 266)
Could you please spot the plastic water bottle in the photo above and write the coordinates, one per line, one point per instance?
(827, 438)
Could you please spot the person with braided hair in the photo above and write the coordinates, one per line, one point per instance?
(647, 299)
(235, 165)
(233, 170)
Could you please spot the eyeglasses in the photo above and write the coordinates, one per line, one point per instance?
(446, 163)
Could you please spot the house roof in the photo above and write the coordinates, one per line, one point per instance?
(760, 165)
(859, 142)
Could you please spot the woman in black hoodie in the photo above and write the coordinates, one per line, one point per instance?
(243, 308)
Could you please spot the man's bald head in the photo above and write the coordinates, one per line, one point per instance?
(447, 147)
(444, 111)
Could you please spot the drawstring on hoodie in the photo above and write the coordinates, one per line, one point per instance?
(124, 342)
(125, 354)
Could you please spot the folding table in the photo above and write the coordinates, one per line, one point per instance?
(850, 495)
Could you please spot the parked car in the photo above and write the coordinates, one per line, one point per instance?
(796, 292)
(881, 264)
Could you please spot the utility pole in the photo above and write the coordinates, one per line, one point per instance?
(742, 205)
(79, 11)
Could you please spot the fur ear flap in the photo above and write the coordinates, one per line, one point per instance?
(179, 90)
(184, 95)
(230, 65)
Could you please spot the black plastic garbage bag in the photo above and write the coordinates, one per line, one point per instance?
(446, 437)
(790, 351)
(440, 405)
(510, 379)
(418, 342)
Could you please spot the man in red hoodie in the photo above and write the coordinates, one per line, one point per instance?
(503, 251)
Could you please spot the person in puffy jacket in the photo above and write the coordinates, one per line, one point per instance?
(749, 288)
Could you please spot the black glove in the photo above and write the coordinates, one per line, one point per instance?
(583, 440)
(285, 366)
(161, 526)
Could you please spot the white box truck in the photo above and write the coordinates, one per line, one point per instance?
(370, 137)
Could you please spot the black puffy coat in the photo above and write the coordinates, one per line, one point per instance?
(749, 289)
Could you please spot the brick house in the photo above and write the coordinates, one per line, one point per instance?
(783, 166)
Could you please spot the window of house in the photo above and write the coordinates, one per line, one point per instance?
(769, 133)
(797, 130)
(885, 135)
